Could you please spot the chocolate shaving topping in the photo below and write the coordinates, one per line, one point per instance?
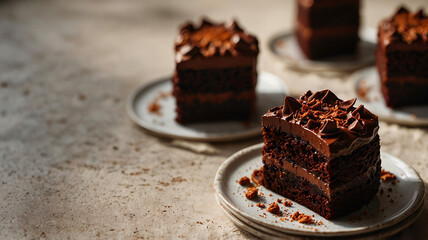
(406, 26)
(210, 51)
(211, 39)
(330, 124)
(329, 128)
(325, 114)
(290, 105)
(347, 104)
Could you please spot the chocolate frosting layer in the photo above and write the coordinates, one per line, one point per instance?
(332, 126)
(405, 26)
(210, 40)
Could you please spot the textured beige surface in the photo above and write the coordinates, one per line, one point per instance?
(73, 165)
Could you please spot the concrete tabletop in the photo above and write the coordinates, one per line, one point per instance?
(73, 165)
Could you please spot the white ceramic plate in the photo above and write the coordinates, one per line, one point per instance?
(270, 92)
(285, 47)
(407, 195)
(267, 233)
(367, 80)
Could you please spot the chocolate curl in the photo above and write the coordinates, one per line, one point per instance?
(329, 97)
(356, 126)
(235, 26)
(205, 22)
(420, 14)
(401, 10)
(350, 120)
(318, 95)
(305, 96)
(290, 105)
(329, 128)
(187, 27)
(346, 105)
(360, 111)
(239, 43)
(311, 124)
(190, 51)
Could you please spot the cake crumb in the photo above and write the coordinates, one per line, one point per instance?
(154, 107)
(302, 218)
(260, 205)
(279, 200)
(363, 90)
(251, 192)
(280, 43)
(287, 203)
(386, 176)
(244, 181)
(273, 208)
(256, 177)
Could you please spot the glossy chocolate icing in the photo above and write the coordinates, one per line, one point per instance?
(332, 126)
(213, 42)
(405, 27)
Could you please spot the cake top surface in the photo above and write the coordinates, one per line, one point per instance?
(405, 26)
(326, 120)
(210, 39)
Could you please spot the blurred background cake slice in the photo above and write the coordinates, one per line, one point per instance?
(215, 75)
(402, 58)
(326, 28)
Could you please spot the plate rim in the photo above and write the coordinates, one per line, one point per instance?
(316, 65)
(382, 233)
(355, 79)
(257, 147)
(212, 137)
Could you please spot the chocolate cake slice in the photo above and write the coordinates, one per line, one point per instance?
(402, 58)
(322, 152)
(326, 28)
(215, 75)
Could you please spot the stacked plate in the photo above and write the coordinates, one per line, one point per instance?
(396, 206)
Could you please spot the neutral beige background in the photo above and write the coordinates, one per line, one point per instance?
(72, 165)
